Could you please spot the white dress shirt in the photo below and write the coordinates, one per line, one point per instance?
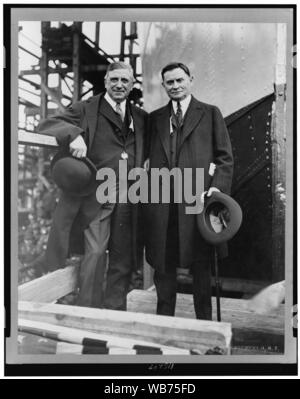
(184, 105)
(113, 103)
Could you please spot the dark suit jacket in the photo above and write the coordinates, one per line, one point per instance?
(204, 141)
(73, 214)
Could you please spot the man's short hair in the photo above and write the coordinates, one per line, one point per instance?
(118, 65)
(174, 65)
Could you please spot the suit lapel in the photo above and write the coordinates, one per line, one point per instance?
(193, 116)
(93, 108)
(163, 123)
(109, 113)
(138, 124)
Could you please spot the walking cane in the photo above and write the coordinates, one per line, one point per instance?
(231, 223)
(217, 281)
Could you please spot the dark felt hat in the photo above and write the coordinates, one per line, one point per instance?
(75, 176)
(220, 219)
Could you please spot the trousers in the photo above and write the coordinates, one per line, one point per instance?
(166, 282)
(108, 253)
(166, 288)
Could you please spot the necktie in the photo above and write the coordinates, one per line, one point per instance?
(179, 114)
(118, 111)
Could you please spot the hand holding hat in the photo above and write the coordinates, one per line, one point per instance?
(220, 219)
(78, 147)
(73, 174)
(72, 171)
(208, 193)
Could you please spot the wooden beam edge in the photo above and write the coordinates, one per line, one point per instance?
(36, 139)
(131, 323)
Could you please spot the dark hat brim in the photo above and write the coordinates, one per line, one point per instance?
(89, 188)
(234, 211)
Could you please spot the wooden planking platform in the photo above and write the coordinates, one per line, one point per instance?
(197, 335)
(227, 284)
(49, 287)
(63, 281)
(96, 341)
(252, 333)
(249, 329)
(32, 344)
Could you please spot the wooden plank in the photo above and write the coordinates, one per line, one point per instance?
(228, 284)
(50, 287)
(36, 139)
(198, 335)
(77, 336)
(32, 344)
(68, 277)
(248, 328)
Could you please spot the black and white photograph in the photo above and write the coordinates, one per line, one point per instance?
(152, 176)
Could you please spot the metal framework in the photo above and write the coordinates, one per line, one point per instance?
(78, 62)
(80, 66)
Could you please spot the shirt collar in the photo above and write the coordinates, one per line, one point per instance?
(113, 103)
(184, 104)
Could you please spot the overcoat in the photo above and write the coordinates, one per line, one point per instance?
(73, 214)
(204, 140)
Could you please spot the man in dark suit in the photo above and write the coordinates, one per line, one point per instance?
(106, 128)
(185, 133)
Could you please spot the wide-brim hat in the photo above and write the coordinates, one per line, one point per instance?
(220, 219)
(75, 176)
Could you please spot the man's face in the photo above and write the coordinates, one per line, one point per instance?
(119, 84)
(177, 84)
